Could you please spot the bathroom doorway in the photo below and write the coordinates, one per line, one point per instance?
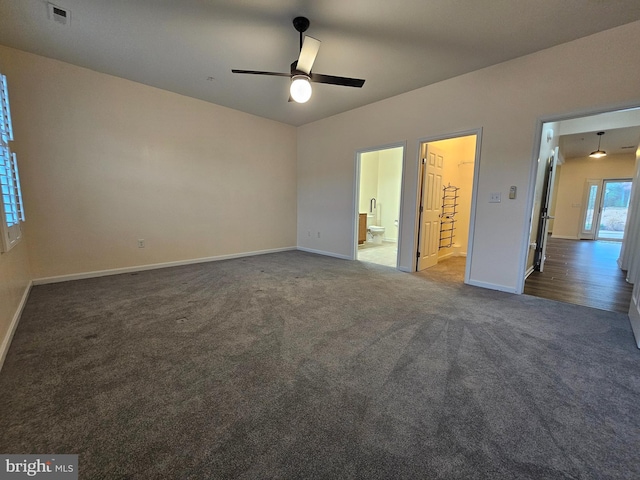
(379, 189)
(447, 172)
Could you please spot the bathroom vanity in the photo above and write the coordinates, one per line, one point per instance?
(362, 228)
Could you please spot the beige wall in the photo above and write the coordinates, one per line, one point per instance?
(571, 187)
(389, 181)
(506, 101)
(369, 167)
(105, 162)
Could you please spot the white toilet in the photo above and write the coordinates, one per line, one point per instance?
(377, 232)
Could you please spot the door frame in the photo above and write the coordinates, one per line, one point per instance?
(355, 207)
(551, 165)
(474, 194)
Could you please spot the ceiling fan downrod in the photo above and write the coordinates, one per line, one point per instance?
(301, 24)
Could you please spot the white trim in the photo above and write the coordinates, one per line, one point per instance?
(492, 286)
(474, 205)
(6, 341)
(153, 266)
(326, 254)
(445, 255)
(528, 272)
(355, 206)
(634, 314)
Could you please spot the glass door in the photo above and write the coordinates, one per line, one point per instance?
(614, 206)
(590, 210)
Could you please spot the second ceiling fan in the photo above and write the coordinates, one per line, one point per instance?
(301, 75)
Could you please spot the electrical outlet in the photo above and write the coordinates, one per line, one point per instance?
(318, 234)
(495, 197)
(141, 243)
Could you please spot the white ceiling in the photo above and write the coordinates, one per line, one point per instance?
(578, 136)
(190, 46)
(614, 142)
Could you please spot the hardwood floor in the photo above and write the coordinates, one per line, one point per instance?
(582, 272)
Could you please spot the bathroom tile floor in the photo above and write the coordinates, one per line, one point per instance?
(382, 254)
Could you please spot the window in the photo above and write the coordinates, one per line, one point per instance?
(12, 213)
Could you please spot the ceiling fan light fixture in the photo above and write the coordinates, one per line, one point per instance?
(598, 153)
(300, 88)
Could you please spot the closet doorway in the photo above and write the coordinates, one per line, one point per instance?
(447, 175)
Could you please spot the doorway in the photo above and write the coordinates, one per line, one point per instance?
(606, 208)
(447, 175)
(378, 200)
(581, 214)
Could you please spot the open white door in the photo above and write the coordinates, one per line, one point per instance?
(430, 207)
(544, 212)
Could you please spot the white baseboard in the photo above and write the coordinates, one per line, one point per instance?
(6, 341)
(528, 272)
(493, 286)
(322, 252)
(565, 237)
(154, 266)
(452, 252)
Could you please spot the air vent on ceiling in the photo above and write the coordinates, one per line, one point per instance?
(59, 14)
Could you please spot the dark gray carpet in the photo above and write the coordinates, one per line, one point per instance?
(293, 365)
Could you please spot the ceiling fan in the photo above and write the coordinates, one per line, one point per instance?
(301, 75)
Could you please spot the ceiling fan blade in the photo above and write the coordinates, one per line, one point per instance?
(308, 53)
(257, 72)
(344, 81)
